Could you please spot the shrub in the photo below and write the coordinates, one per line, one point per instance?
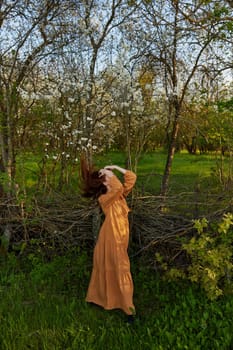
(211, 255)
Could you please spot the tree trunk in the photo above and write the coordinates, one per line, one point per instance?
(170, 156)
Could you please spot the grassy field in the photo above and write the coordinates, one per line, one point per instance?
(188, 171)
(43, 307)
(42, 303)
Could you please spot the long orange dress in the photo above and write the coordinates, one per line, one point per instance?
(111, 284)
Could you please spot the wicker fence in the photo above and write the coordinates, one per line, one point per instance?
(62, 223)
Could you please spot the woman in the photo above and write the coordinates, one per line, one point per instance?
(111, 284)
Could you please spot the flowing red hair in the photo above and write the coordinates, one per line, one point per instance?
(91, 183)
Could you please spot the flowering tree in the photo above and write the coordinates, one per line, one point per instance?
(30, 31)
(99, 21)
(183, 38)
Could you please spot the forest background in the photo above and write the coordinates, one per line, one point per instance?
(145, 84)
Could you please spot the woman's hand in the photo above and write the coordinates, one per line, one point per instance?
(106, 171)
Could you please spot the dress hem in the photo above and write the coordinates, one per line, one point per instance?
(112, 307)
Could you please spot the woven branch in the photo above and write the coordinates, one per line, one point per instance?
(67, 222)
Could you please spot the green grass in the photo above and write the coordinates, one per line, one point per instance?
(42, 304)
(43, 307)
(188, 171)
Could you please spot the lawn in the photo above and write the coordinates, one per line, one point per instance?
(188, 171)
(43, 307)
(42, 301)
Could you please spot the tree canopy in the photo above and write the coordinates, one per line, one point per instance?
(133, 75)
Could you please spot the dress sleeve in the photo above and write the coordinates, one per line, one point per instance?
(116, 191)
(130, 179)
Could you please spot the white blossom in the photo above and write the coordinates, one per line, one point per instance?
(101, 125)
(124, 104)
(75, 132)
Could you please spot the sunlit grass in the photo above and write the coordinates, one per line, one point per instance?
(43, 307)
(188, 171)
(42, 304)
